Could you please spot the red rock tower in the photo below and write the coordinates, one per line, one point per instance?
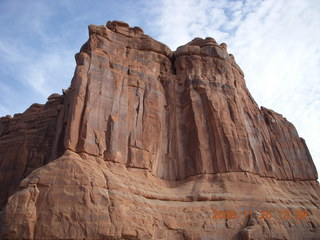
(148, 143)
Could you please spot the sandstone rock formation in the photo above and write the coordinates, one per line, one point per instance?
(26, 143)
(148, 143)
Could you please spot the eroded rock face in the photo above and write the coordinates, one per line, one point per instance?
(28, 141)
(147, 142)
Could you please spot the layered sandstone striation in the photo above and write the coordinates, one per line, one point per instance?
(146, 143)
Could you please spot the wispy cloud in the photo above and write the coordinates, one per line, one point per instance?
(35, 59)
(37, 75)
(281, 59)
(276, 43)
(177, 22)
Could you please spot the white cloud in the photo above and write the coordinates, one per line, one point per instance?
(276, 43)
(39, 74)
(281, 59)
(35, 59)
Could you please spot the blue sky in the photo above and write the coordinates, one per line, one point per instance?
(275, 42)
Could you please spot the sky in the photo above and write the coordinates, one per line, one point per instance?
(275, 42)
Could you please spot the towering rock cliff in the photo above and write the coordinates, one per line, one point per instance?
(153, 144)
